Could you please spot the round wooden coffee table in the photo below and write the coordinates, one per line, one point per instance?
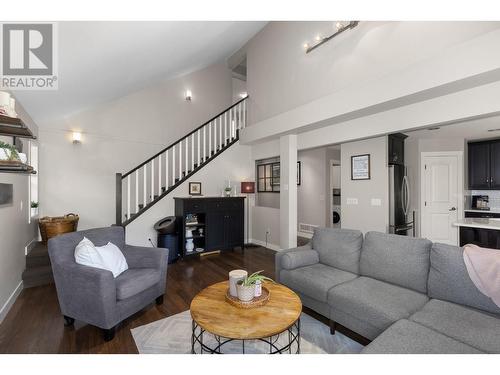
(212, 314)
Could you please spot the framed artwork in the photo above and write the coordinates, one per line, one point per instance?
(299, 176)
(195, 188)
(360, 167)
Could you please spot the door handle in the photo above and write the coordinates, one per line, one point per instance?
(452, 209)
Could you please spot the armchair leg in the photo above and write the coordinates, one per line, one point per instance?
(159, 300)
(68, 322)
(108, 334)
(333, 327)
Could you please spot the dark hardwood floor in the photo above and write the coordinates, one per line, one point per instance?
(35, 325)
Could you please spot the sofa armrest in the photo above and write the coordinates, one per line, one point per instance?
(281, 254)
(299, 258)
(145, 257)
(86, 293)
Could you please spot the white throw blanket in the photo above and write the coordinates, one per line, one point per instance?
(483, 266)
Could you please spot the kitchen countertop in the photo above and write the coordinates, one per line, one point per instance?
(492, 210)
(478, 223)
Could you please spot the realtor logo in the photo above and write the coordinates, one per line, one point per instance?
(28, 60)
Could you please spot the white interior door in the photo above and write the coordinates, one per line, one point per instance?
(441, 196)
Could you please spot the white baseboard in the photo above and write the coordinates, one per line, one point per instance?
(263, 244)
(10, 301)
(305, 235)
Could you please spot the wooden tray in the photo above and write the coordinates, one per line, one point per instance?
(256, 302)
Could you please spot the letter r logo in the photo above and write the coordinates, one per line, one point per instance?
(27, 49)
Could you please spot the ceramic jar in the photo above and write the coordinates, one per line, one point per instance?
(246, 293)
(234, 277)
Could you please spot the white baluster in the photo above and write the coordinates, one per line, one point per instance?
(231, 120)
(186, 145)
(225, 129)
(144, 188)
(173, 165)
(199, 149)
(244, 113)
(220, 131)
(209, 139)
(215, 136)
(239, 117)
(192, 152)
(159, 175)
(128, 196)
(137, 190)
(180, 160)
(166, 170)
(204, 143)
(152, 180)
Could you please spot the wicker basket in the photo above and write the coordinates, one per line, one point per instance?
(54, 226)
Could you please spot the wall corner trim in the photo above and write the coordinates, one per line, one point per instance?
(10, 301)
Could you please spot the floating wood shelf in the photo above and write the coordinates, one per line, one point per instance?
(15, 167)
(14, 127)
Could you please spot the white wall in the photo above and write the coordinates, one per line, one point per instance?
(118, 136)
(15, 231)
(281, 76)
(266, 227)
(234, 164)
(365, 216)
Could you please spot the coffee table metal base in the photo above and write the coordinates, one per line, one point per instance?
(291, 346)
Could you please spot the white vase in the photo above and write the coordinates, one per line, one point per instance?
(234, 277)
(245, 293)
(189, 245)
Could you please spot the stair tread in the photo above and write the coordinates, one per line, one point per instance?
(38, 250)
(34, 272)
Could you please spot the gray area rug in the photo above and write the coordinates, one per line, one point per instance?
(172, 335)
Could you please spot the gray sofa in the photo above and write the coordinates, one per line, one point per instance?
(408, 295)
(91, 294)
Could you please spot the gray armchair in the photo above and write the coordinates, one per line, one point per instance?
(91, 294)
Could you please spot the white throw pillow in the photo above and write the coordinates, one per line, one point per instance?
(107, 257)
(113, 258)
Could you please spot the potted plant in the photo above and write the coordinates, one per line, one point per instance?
(246, 287)
(8, 152)
(34, 208)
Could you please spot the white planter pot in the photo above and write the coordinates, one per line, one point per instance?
(245, 293)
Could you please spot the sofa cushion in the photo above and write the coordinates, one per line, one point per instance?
(299, 258)
(399, 260)
(449, 280)
(134, 281)
(339, 248)
(315, 281)
(374, 302)
(406, 337)
(464, 324)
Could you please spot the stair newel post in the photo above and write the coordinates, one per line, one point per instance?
(136, 191)
(128, 196)
(118, 199)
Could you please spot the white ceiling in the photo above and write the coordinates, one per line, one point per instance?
(469, 130)
(100, 61)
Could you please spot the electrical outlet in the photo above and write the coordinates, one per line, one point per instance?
(268, 231)
(352, 200)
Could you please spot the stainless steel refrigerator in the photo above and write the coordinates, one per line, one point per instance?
(401, 220)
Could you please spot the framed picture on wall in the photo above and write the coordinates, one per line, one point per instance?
(195, 188)
(360, 167)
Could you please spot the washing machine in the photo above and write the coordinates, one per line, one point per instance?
(336, 216)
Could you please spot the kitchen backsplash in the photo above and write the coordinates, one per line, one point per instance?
(494, 197)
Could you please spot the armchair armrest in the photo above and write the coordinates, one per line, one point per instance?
(86, 293)
(294, 258)
(145, 257)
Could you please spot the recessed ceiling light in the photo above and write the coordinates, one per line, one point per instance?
(494, 130)
(434, 128)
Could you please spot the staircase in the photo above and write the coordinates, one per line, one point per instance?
(145, 185)
(38, 270)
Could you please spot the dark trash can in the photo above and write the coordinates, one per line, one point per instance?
(167, 237)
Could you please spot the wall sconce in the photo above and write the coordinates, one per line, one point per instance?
(77, 138)
(243, 94)
(189, 95)
(319, 40)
